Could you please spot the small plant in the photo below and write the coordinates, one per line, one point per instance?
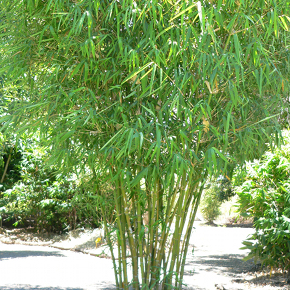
(210, 204)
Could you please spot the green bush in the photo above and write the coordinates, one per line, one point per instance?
(265, 196)
(47, 201)
(42, 207)
(210, 203)
(270, 243)
(266, 184)
(53, 206)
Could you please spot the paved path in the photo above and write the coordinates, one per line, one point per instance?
(216, 259)
(32, 267)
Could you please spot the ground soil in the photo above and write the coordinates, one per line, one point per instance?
(215, 260)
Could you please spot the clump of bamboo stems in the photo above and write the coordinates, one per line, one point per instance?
(154, 225)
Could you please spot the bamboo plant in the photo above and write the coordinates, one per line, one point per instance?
(151, 97)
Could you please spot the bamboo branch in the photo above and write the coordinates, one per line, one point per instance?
(6, 166)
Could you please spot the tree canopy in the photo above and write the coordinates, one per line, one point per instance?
(151, 96)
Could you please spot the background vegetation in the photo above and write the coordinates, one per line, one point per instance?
(38, 196)
(210, 203)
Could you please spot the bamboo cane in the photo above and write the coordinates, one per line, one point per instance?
(151, 237)
(184, 212)
(121, 239)
(131, 240)
(6, 166)
(189, 229)
(175, 239)
(108, 236)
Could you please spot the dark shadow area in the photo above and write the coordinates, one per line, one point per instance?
(101, 286)
(263, 279)
(24, 254)
(230, 225)
(231, 264)
(278, 279)
(35, 287)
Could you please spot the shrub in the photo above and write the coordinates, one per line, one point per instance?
(210, 203)
(266, 184)
(270, 243)
(53, 206)
(47, 201)
(265, 196)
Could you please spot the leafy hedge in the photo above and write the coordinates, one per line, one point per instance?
(265, 195)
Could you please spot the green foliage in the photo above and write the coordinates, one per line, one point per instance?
(51, 206)
(148, 97)
(270, 244)
(210, 203)
(266, 184)
(44, 200)
(45, 210)
(224, 188)
(265, 195)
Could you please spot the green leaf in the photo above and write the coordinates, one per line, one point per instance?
(65, 136)
(76, 69)
(136, 72)
(139, 176)
(53, 32)
(183, 11)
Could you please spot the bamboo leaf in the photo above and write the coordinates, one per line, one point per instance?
(139, 176)
(220, 154)
(237, 46)
(183, 11)
(164, 31)
(136, 72)
(148, 110)
(152, 78)
(141, 139)
(284, 22)
(65, 136)
(53, 32)
(76, 69)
